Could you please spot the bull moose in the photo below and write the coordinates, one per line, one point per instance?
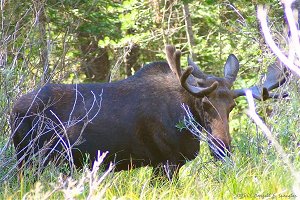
(133, 119)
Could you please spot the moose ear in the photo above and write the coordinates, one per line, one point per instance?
(231, 68)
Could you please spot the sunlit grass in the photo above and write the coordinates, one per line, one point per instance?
(258, 175)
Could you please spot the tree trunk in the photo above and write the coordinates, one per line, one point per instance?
(189, 29)
(95, 60)
(131, 59)
(44, 54)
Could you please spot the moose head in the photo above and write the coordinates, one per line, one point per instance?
(214, 96)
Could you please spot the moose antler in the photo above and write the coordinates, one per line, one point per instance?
(173, 58)
(196, 90)
(196, 72)
(275, 77)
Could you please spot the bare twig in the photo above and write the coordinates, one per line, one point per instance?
(262, 16)
(58, 129)
(253, 115)
(199, 132)
(71, 188)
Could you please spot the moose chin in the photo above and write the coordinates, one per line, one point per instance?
(133, 119)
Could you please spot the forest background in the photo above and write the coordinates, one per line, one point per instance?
(75, 41)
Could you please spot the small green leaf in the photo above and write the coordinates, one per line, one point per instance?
(180, 125)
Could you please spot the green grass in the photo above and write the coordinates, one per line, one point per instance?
(258, 171)
(252, 176)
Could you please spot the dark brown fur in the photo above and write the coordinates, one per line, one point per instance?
(136, 123)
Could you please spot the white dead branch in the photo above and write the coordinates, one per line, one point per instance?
(292, 62)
